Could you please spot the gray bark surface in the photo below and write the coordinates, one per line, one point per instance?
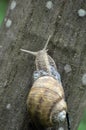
(32, 23)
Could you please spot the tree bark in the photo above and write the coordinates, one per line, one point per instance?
(32, 23)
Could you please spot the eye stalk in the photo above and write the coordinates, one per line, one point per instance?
(30, 52)
(45, 47)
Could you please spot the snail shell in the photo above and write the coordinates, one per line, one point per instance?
(46, 100)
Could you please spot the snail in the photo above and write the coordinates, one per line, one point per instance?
(46, 100)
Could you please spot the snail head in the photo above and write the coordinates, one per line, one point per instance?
(38, 52)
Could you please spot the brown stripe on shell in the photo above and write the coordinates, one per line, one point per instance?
(34, 88)
(49, 82)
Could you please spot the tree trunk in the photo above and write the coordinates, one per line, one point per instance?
(32, 23)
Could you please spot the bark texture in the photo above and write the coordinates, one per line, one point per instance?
(32, 23)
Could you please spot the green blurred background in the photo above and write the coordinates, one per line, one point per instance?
(82, 125)
(3, 8)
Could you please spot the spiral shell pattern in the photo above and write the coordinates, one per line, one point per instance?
(45, 100)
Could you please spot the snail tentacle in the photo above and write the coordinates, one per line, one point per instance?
(35, 53)
(30, 52)
(45, 47)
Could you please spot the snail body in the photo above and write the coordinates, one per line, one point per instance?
(46, 100)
